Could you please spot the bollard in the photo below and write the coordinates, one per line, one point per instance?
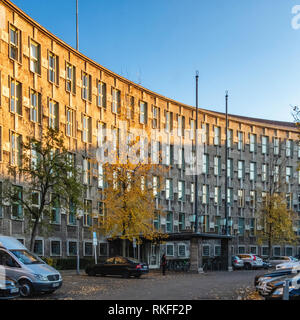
(286, 290)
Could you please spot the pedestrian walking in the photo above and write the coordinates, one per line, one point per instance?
(163, 264)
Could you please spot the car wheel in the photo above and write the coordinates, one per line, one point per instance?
(26, 289)
(126, 274)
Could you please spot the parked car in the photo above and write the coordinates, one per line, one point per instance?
(237, 263)
(266, 263)
(31, 273)
(125, 267)
(273, 289)
(279, 259)
(9, 289)
(288, 265)
(260, 278)
(251, 261)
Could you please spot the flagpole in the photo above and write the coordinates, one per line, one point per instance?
(77, 33)
(196, 160)
(226, 166)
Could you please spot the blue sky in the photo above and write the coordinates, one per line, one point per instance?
(246, 47)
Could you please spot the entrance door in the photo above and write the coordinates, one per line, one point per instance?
(154, 261)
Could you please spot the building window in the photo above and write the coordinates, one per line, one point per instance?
(229, 138)
(252, 199)
(241, 169)
(169, 121)
(205, 194)
(38, 247)
(16, 207)
(100, 176)
(87, 213)
(289, 148)
(192, 192)
(72, 214)
(169, 189)
(252, 171)
(217, 251)
(35, 102)
(55, 209)
(181, 222)
(103, 248)
(101, 99)
(16, 149)
(217, 198)
(143, 112)
(240, 140)
(70, 120)
(156, 221)
(35, 57)
(86, 92)
(264, 172)
(155, 182)
(252, 142)
(170, 250)
(241, 198)
(230, 196)
(88, 248)
(155, 117)
(129, 107)
(180, 126)
(205, 250)
(116, 100)
(169, 222)
(253, 250)
(181, 250)
(53, 68)
(15, 43)
(265, 251)
(181, 190)
(53, 114)
(205, 164)
(288, 174)
(72, 248)
(217, 137)
(217, 166)
(264, 145)
(276, 251)
(86, 128)
(87, 166)
(55, 247)
(70, 78)
(276, 146)
(15, 97)
(241, 226)
(276, 173)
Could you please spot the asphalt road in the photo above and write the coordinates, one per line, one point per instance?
(234, 285)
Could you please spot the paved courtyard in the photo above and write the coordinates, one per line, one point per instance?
(235, 285)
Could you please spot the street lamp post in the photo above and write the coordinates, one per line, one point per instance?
(226, 166)
(78, 240)
(196, 160)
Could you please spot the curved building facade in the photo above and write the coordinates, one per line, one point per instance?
(45, 82)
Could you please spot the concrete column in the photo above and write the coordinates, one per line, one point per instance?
(196, 256)
(226, 254)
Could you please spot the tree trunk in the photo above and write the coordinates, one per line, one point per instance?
(33, 234)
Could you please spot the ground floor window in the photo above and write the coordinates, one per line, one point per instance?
(276, 251)
(241, 249)
(265, 251)
(206, 251)
(55, 247)
(88, 249)
(72, 248)
(170, 249)
(103, 249)
(181, 250)
(253, 250)
(288, 251)
(217, 251)
(38, 247)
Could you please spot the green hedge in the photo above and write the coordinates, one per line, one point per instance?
(68, 263)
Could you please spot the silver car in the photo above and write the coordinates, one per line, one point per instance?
(251, 261)
(237, 263)
(29, 271)
(280, 259)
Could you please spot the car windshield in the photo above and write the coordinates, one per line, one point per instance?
(26, 257)
(132, 260)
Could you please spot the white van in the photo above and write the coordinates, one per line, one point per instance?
(31, 273)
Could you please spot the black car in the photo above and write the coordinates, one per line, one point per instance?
(9, 289)
(125, 267)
